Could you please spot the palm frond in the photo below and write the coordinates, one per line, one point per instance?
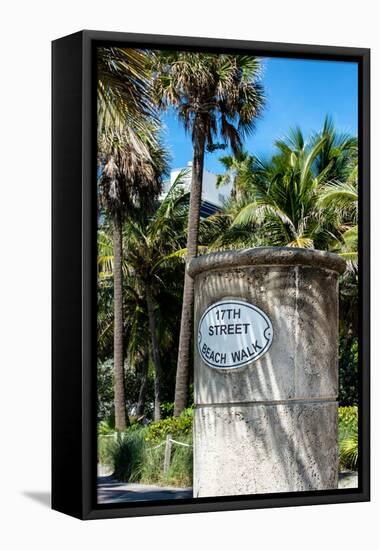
(341, 194)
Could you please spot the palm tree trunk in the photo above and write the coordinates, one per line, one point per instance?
(119, 387)
(182, 369)
(154, 353)
(143, 386)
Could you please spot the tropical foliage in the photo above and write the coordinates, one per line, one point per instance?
(153, 244)
(305, 195)
(130, 162)
(348, 437)
(292, 203)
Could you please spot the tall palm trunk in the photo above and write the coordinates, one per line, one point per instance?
(119, 387)
(154, 353)
(182, 369)
(144, 366)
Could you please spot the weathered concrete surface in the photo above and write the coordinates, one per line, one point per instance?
(271, 425)
(267, 255)
(301, 304)
(252, 449)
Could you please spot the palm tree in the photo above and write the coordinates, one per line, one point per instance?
(134, 313)
(338, 152)
(123, 90)
(237, 170)
(343, 197)
(285, 195)
(127, 181)
(105, 304)
(127, 142)
(152, 245)
(215, 96)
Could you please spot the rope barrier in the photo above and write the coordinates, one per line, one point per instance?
(172, 441)
(160, 445)
(180, 443)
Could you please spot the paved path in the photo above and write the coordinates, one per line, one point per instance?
(111, 491)
(347, 480)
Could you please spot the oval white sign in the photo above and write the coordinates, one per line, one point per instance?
(233, 333)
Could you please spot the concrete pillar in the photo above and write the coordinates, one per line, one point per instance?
(265, 419)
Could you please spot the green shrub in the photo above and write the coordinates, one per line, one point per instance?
(347, 417)
(349, 451)
(348, 437)
(128, 454)
(105, 427)
(167, 408)
(174, 425)
(180, 470)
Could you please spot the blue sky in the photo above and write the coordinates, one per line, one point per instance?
(298, 92)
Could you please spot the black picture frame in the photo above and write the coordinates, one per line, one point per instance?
(74, 275)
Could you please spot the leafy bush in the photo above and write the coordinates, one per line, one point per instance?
(105, 427)
(347, 418)
(348, 437)
(174, 425)
(167, 408)
(349, 451)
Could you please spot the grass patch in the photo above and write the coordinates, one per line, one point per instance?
(128, 455)
(181, 468)
(138, 453)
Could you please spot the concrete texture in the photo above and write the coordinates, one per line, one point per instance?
(260, 448)
(271, 425)
(267, 255)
